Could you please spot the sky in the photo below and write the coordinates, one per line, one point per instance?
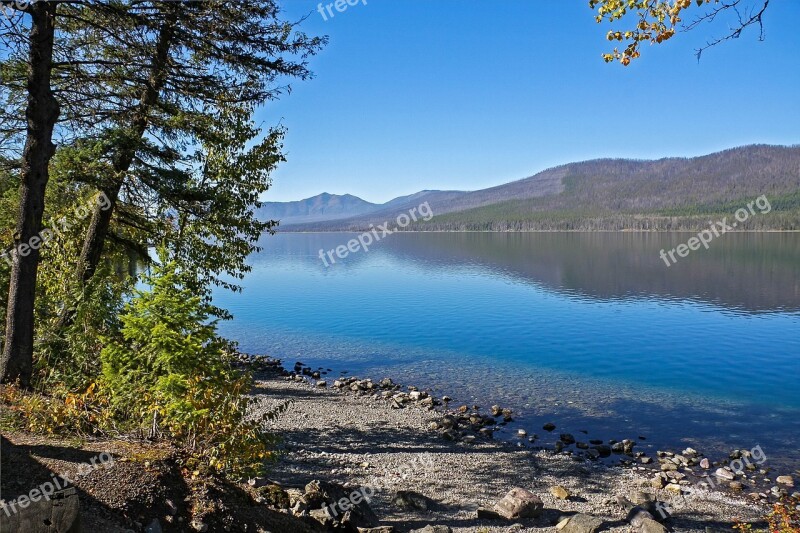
(460, 94)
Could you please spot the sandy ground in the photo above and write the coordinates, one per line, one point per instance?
(338, 436)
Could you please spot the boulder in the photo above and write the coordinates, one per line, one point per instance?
(519, 503)
(580, 523)
(648, 525)
(408, 499)
(347, 509)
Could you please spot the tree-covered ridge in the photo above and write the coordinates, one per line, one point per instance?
(670, 194)
(617, 194)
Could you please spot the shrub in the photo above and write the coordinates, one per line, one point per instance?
(784, 517)
(60, 412)
(171, 374)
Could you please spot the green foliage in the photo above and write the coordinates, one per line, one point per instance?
(168, 370)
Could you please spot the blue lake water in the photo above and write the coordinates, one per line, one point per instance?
(591, 331)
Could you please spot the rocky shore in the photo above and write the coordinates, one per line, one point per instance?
(364, 456)
(420, 461)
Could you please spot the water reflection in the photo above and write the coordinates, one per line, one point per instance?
(743, 272)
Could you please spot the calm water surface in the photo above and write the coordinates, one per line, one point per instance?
(590, 331)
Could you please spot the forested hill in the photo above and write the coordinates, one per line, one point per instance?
(619, 194)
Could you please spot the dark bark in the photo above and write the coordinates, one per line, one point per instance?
(41, 113)
(100, 224)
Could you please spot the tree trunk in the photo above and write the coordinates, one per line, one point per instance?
(95, 239)
(42, 112)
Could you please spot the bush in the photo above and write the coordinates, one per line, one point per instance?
(784, 517)
(60, 412)
(170, 374)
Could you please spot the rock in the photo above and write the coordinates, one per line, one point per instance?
(488, 514)
(408, 499)
(674, 488)
(519, 503)
(725, 474)
(172, 509)
(322, 383)
(449, 434)
(580, 523)
(275, 496)
(549, 426)
(347, 506)
(648, 525)
(415, 395)
(199, 526)
(736, 486)
(785, 480)
(646, 460)
(559, 492)
(154, 527)
(705, 463)
(323, 516)
(618, 447)
(566, 438)
(603, 449)
(433, 529)
(449, 422)
(381, 529)
(496, 410)
(522, 433)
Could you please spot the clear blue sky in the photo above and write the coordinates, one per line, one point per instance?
(461, 94)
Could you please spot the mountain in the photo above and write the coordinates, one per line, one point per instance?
(318, 208)
(611, 194)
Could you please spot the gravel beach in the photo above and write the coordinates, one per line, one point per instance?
(360, 439)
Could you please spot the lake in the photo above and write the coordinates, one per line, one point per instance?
(590, 331)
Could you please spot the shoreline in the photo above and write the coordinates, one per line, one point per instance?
(401, 231)
(415, 463)
(386, 417)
